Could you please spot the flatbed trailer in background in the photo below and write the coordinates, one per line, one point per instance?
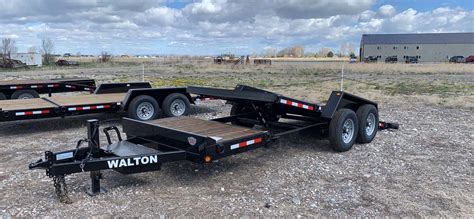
(139, 100)
(27, 89)
(257, 119)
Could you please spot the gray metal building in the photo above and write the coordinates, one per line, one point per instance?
(427, 47)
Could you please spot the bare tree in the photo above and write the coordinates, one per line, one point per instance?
(298, 51)
(105, 57)
(8, 46)
(270, 52)
(323, 52)
(48, 48)
(350, 48)
(343, 49)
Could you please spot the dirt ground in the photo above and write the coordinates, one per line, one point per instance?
(423, 169)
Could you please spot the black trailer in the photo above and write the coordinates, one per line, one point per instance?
(27, 89)
(139, 100)
(344, 120)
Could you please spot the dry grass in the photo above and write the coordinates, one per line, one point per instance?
(450, 85)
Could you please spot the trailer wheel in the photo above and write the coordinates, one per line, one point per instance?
(2, 96)
(143, 108)
(368, 118)
(343, 130)
(176, 104)
(25, 94)
(238, 108)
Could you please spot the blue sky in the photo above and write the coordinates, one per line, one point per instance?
(211, 27)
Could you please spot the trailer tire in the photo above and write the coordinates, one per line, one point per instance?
(2, 96)
(368, 118)
(238, 108)
(143, 108)
(25, 94)
(176, 104)
(343, 130)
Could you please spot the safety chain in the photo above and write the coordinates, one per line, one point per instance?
(61, 189)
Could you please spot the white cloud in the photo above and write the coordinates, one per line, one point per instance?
(209, 24)
(387, 10)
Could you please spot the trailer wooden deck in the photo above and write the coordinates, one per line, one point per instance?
(25, 104)
(41, 81)
(90, 99)
(216, 130)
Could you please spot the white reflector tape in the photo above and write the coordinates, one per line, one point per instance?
(28, 113)
(246, 143)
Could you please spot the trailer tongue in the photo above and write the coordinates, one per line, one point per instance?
(345, 119)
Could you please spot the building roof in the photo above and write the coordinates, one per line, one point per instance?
(418, 38)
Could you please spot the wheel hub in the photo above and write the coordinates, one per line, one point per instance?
(348, 131)
(145, 111)
(178, 107)
(370, 124)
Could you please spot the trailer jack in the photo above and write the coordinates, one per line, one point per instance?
(89, 152)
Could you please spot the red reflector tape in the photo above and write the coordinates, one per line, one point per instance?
(246, 143)
(36, 86)
(82, 108)
(53, 85)
(16, 87)
(69, 86)
(296, 104)
(29, 113)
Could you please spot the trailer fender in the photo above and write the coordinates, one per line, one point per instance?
(339, 99)
(120, 87)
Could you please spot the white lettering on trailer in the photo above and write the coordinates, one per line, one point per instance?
(129, 162)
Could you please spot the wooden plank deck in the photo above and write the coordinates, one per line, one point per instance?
(25, 104)
(89, 99)
(221, 131)
(39, 81)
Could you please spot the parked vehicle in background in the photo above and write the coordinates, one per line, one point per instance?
(63, 62)
(456, 59)
(470, 59)
(411, 59)
(391, 59)
(371, 59)
(11, 63)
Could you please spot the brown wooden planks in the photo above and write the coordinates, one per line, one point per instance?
(39, 81)
(90, 99)
(206, 128)
(25, 104)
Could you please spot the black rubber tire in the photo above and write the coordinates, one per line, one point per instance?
(133, 107)
(362, 114)
(2, 96)
(172, 97)
(18, 93)
(238, 108)
(336, 130)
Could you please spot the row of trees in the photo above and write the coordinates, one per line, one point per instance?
(346, 49)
